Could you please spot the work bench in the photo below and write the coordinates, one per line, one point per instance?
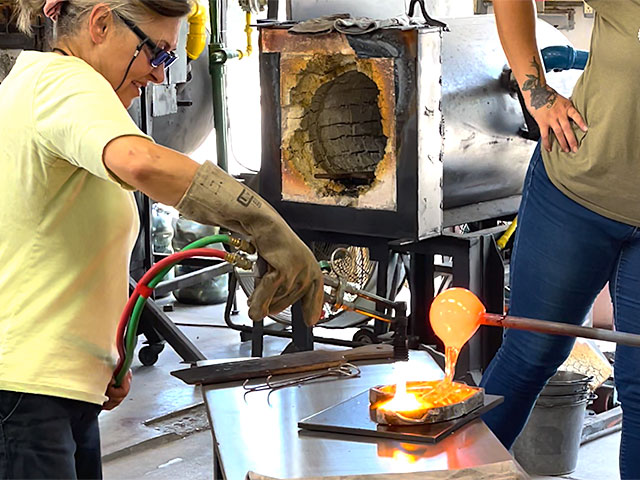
(258, 432)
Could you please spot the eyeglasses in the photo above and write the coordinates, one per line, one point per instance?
(159, 56)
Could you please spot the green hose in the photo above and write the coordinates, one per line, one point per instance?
(131, 336)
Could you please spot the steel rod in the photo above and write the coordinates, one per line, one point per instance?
(557, 328)
(334, 282)
(361, 310)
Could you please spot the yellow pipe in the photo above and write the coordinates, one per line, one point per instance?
(197, 36)
(248, 30)
(502, 241)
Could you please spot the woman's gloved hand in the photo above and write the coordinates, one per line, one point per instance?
(292, 274)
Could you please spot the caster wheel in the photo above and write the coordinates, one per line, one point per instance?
(365, 336)
(149, 355)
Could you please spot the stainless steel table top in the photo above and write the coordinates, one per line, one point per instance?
(253, 434)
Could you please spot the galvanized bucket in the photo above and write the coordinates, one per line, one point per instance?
(550, 441)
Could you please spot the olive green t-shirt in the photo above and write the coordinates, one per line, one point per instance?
(604, 175)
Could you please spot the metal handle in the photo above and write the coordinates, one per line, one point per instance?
(557, 328)
(430, 21)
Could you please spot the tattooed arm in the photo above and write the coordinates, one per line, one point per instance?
(553, 112)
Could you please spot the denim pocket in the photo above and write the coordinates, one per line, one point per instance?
(9, 402)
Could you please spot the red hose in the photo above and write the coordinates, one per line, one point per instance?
(146, 278)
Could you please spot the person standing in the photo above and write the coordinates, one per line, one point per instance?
(578, 224)
(70, 156)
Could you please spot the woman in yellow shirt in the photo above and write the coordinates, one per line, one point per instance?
(70, 156)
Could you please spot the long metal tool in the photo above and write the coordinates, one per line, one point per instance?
(557, 328)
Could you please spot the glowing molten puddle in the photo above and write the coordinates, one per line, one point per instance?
(423, 402)
(455, 316)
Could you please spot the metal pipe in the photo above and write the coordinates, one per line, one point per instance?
(564, 58)
(361, 310)
(217, 59)
(197, 36)
(334, 283)
(557, 328)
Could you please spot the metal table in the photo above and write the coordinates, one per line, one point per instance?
(253, 434)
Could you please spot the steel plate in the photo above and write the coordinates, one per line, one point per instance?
(352, 417)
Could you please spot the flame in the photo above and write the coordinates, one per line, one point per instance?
(403, 400)
(400, 456)
(418, 397)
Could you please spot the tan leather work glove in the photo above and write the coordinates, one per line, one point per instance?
(293, 273)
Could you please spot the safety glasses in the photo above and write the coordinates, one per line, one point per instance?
(159, 56)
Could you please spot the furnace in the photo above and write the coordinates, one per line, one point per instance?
(398, 133)
(344, 139)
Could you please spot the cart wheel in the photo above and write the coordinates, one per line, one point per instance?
(149, 355)
(365, 336)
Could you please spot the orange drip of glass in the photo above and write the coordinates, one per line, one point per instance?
(455, 316)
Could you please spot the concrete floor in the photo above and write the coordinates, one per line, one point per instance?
(161, 430)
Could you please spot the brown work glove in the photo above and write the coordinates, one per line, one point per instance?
(215, 198)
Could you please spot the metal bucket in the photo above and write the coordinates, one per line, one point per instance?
(550, 441)
(566, 383)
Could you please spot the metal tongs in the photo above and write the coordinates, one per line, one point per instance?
(346, 370)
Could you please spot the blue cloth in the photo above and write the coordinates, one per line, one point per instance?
(563, 256)
(48, 437)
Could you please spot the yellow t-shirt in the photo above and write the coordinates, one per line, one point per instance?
(68, 228)
(603, 175)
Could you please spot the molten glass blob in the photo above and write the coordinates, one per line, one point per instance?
(455, 316)
(412, 398)
(418, 404)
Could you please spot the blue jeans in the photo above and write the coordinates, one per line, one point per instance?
(563, 256)
(48, 437)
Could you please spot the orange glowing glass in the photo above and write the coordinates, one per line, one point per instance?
(411, 405)
(455, 316)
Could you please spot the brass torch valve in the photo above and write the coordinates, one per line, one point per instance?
(242, 245)
(239, 260)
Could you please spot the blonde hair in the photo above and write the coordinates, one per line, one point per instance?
(138, 11)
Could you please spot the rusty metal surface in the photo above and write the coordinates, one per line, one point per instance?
(302, 78)
(251, 434)
(278, 40)
(381, 394)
